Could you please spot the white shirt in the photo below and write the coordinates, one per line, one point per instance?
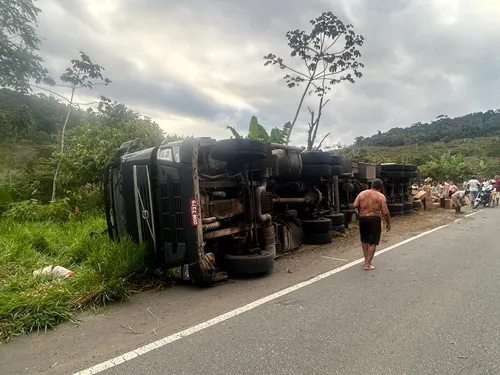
(474, 185)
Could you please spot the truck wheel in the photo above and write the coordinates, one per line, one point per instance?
(410, 168)
(392, 174)
(349, 216)
(348, 186)
(316, 157)
(337, 170)
(411, 174)
(396, 207)
(336, 160)
(339, 228)
(336, 218)
(246, 265)
(397, 213)
(392, 167)
(321, 225)
(408, 206)
(316, 170)
(318, 238)
(407, 212)
(239, 149)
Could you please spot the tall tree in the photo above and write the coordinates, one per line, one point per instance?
(325, 63)
(82, 73)
(19, 43)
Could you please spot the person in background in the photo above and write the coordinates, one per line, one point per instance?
(497, 188)
(372, 206)
(441, 193)
(494, 193)
(458, 200)
(452, 189)
(434, 188)
(464, 185)
(473, 186)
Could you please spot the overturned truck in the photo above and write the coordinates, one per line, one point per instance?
(221, 207)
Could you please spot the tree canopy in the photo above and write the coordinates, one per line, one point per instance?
(442, 129)
(19, 63)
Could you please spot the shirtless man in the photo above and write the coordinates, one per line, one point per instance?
(371, 205)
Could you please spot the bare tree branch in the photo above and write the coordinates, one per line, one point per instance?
(320, 143)
(52, 92)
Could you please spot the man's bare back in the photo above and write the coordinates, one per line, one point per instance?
(371, 203)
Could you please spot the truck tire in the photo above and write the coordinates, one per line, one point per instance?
(392, 174)
(395, 207)
(239, 149)
(316, 158)
(407, 212)
(348, 186)
(246, 265)
(315, 226)
(316, 170)
(339, 228)
(318, 238)
(397, 213)
(337, 170)
(392, 167)
(336, 160)
(336, 218)
(412, 174)
(349, 215)
(410, 168)
(408, 206)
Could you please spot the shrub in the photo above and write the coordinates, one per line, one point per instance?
(33, 210)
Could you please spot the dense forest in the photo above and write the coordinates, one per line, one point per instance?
(30, 130)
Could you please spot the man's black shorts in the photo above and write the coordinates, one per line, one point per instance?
(370, 228)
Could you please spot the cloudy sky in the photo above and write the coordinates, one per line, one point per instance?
(196, 66)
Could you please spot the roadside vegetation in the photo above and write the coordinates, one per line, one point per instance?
(104, 271)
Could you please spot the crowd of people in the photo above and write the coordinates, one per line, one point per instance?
(449, 190)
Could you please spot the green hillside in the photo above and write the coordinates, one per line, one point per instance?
(473, 138)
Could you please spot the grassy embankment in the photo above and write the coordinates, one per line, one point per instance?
(105, 272)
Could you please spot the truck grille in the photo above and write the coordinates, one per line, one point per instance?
(144, 205)
(171, 213)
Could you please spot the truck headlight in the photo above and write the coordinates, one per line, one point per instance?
(177, 156)
(165, 154)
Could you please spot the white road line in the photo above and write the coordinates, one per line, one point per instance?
(231, 314)
(474, 213)
(343, 260)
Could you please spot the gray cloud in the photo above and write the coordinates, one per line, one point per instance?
(202, 60)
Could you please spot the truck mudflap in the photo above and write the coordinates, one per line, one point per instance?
(289, 234)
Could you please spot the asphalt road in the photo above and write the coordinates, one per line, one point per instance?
(432, 306)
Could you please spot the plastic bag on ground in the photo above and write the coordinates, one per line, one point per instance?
(56, 271)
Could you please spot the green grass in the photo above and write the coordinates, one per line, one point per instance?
(105, 272)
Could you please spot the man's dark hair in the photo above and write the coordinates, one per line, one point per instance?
(377, 184)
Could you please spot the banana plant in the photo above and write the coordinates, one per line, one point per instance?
(258, 132)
